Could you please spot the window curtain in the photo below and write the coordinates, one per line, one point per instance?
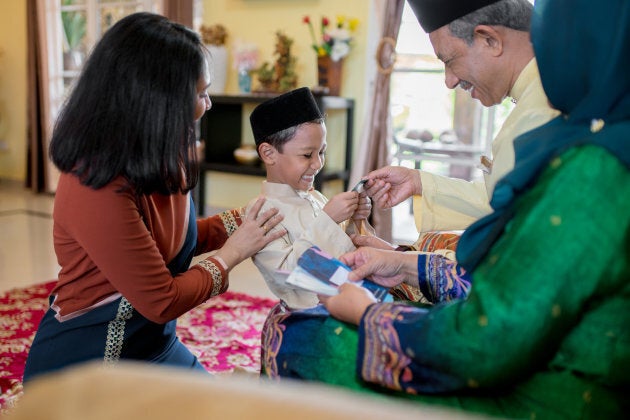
(376, 138)
(180, 11)
(41, 175)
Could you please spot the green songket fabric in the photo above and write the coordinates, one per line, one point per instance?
(545, 332)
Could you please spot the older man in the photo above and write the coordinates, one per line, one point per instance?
(486, 50)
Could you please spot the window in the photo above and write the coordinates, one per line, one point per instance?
(436, 128)
(84, 21)
(73, 27)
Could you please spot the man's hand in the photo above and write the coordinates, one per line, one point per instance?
(392, 185)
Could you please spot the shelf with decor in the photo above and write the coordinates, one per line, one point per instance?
(222, 131)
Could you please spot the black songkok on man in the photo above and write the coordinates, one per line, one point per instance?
(287, 110)
(433, 14)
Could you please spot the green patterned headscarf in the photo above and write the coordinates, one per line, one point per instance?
(583, 52)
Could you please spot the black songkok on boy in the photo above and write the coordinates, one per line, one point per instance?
(433, 14)
(287, 110)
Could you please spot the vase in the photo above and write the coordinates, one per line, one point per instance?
(219, 56)
(73, 60)
(329, 75)
(244, 81)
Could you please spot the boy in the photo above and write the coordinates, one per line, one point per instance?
(290, 136)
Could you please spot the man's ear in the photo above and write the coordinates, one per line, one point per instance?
(491, 38)
(267, 153)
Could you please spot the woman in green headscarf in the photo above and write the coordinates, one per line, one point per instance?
(545, 331)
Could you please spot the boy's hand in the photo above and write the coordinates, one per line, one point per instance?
(364, 208)
(342, 206)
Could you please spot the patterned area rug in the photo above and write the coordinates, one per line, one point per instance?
(224, 333)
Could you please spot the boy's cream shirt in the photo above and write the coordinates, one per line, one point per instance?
(307, 225)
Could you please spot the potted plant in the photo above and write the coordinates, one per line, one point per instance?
(281, 75)
(74, 27)
(215, 37)
(336, 40)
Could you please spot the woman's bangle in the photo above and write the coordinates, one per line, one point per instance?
(222, 262)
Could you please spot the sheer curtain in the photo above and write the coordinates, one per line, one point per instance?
(377, 136)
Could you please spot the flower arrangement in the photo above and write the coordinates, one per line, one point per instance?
(336, 38)
(281, 75)
(245, 56)
(213, 35)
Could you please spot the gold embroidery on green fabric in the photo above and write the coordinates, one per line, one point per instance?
(555, 220)
(556, 310)
(473, 383)
(556, 163)
(116, 332)
(229, 222)
(215, 273)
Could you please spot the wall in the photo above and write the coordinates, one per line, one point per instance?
(256, 21)
(253, 21)
(13, 90)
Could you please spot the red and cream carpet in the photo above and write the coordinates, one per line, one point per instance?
(224, 333)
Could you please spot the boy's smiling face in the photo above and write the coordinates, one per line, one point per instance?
(301, 158)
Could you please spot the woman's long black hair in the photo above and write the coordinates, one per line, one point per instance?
(131, 112)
